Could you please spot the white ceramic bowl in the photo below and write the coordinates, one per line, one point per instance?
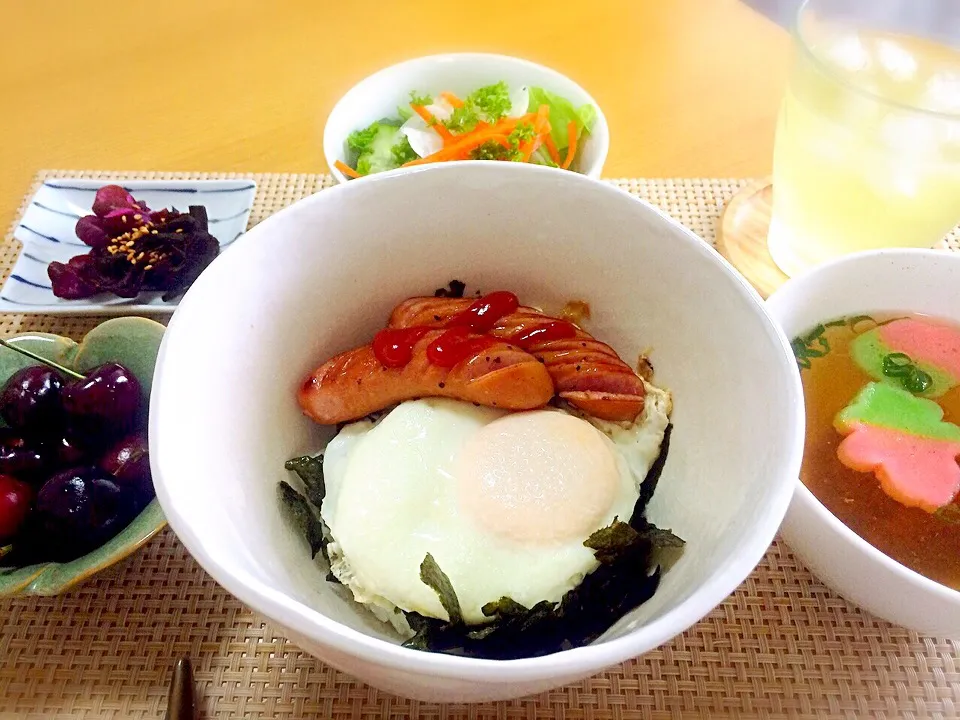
(922, 281)
(322, 276)
(378, 96)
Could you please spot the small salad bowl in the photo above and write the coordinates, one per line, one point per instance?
(133, 342)
(386, 97)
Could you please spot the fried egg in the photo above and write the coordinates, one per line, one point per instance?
(502, 501)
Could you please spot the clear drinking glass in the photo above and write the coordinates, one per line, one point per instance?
(867, 149)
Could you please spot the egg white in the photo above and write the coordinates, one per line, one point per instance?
(391, 499)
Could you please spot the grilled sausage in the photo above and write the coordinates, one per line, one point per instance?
(586, 372)
(354, 383)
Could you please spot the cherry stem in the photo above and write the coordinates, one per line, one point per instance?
(46, 361)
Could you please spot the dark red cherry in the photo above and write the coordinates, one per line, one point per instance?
(15, 499)
(30, 400)
(129, 462)
(81, 507)
(20, 457)
(105, 401)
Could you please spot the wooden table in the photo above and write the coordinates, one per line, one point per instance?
(690, 87)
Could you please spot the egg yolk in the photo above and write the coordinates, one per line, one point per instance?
(538, 477)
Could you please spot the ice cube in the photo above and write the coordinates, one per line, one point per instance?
(896, 60)
(909, 133)
(941, 92)
(849, 53)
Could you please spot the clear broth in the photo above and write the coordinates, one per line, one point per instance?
(924, 542)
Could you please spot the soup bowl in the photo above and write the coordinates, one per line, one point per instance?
(878, 282)
(322, 276)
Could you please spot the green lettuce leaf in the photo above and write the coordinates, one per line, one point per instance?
(562, 112)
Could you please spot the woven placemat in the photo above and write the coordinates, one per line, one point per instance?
(781, 646)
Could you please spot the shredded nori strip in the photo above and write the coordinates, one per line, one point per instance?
(454, 289)
(309, 524)
(432, 576)
(653, 477)
(310, 470)
(305, 508)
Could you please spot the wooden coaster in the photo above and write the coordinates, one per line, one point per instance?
(742, 236)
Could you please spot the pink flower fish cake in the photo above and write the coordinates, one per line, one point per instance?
(932, 347)
(904, 441)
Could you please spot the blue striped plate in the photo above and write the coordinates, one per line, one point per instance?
(47, 233)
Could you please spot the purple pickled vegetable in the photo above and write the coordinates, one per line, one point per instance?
(135, 249)
(90, 230)
(111, 197)
(74, 280)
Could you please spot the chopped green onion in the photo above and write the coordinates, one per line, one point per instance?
(897, 365)
(917, 381)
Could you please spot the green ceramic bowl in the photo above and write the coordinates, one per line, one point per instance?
(133, 342)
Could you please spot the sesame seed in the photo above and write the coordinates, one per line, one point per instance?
(148, 267)
(138, 217)
(123, 218)
(153, 232)
(140, 256)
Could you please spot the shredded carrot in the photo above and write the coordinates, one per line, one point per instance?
(572, 149)
(346, 169)
(551, 147)
(452, 99)
(543, 116)
(499, 139)
(460, 146)
(541, 124)
(530, 147)
(430, 120)
(456, 150)
(505, 125)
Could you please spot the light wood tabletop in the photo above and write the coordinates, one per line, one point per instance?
(690, 87)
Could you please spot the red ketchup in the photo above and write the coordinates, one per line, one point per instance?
(483, 314)
(554, 330)
(394, 347)
(466, 334)
(455, 345)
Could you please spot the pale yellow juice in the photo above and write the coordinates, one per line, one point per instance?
(867, 149)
